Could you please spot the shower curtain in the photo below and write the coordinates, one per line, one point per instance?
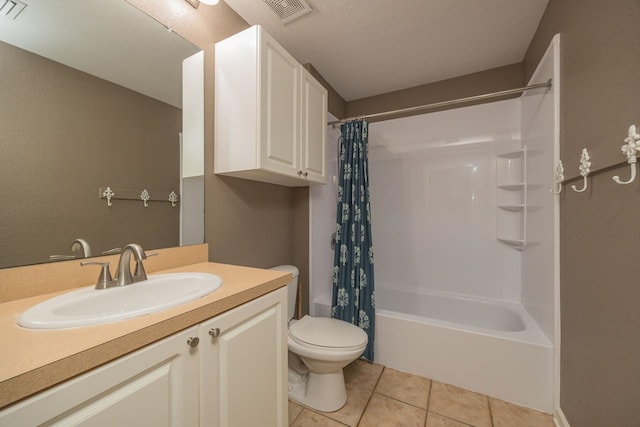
(353, 291)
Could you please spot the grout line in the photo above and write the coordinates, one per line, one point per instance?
(490, 411)
(426, 415)
(373, 390)
(399, 400)
(452, 419)
(296, 417)
(322, 414)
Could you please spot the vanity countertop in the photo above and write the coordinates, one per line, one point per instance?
(33, 360)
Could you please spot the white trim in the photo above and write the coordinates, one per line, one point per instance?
(553, 54)
(559, 419)
(555, 42)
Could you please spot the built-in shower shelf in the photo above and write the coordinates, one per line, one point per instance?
(518, 208)
(516, 243)
(514, 208)
(516, 154)
(511, 198)
(512, 187)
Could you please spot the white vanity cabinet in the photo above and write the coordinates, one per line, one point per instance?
(270, 113)
(243, 365)
(234, 377)
(153, 386)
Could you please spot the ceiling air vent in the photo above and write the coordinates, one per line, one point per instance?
(288, 10)
(11, 8)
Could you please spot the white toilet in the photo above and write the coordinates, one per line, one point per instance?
(319, 348)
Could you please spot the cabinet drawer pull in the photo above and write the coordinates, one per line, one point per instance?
(193, 342)
(214, 332)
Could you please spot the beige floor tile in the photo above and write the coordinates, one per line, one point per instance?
(435, 420)
(308, 418)
(294, 411)
(407, 388)
(510, 415)
(360, 378)
(383, 411)
(459, 404)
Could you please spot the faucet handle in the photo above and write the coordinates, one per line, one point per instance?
(61, 257)
(112, 251)
(139, 273)
(104, 280)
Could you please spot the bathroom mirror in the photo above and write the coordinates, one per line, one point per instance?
(90, 97)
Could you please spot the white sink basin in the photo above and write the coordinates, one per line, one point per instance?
(89, 306)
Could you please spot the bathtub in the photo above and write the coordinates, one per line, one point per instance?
(494, 348)
(491, 347)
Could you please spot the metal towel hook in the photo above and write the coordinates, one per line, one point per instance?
(559, 178)
(585, 168)
(629, 149)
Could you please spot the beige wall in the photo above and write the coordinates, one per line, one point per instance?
(493, 80)
(336, 104)
(66, 133)
(600, 291)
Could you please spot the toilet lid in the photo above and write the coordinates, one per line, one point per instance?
(326, 332)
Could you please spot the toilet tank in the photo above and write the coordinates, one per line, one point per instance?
(292, 287)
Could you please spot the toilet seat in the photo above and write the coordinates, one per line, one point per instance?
(326, 333)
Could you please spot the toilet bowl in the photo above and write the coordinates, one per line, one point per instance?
(319, 348)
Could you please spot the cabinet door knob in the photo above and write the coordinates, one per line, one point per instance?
(306, 174)
(193, 342)
(299, 173)
(214, 332)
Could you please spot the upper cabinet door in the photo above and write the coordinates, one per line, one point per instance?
(279, 109)
(270, 113)
(313, 129)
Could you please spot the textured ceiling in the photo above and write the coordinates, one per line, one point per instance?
(368, 47)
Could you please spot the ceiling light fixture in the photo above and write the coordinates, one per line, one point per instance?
(196, 3)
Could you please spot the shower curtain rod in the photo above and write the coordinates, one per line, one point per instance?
(548, 84)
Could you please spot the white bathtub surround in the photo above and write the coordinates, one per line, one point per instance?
(433, 191)
(455, 303)
(541, 261)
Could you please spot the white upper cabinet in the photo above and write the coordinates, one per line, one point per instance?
(270, 113)
(313, 129)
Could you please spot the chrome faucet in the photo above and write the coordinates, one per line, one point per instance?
(123, 273)
(84, 245)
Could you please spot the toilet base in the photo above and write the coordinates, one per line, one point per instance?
(322, 392)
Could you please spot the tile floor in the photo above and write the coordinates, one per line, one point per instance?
(384, 397)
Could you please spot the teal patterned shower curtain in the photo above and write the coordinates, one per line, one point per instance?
(353, 292)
